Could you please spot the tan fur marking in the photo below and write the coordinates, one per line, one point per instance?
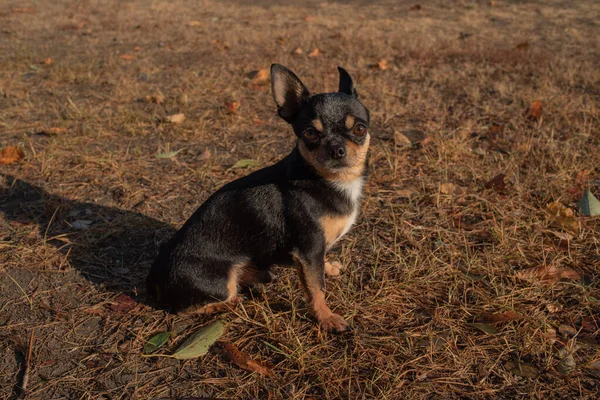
(357, 154)
(318, 124)
(333, 226)
(235, 273)
(349, 121)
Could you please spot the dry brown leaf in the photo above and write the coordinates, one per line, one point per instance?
(123, 303)
(314, 53)
(400, 140)
(309, 18)
(128, 56)
(522, 46)
(220, 45)
(53, 131)
(232, 107)
(497, 183)
(206, 155)
(547, 274)
(494, 318)
(562, 217)
(416, 7)
(298, 51)
(155, 98)
(175, 118)
(535, 110)
(452, 189)
(553, 307)
(381, 65)
(243, 360)
(261, 77)
(281, 40)
(48, 61)
(567, 330)
(22, 10)
(550, 335)
(11, 154)
(195, 23)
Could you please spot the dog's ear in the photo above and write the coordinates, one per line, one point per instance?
(288, 91)
(346, 84)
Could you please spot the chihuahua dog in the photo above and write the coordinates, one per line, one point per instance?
(290, 213)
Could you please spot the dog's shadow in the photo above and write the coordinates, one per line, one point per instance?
(109, 246)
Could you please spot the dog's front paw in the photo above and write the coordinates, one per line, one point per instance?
(333, 268)
(333, 323)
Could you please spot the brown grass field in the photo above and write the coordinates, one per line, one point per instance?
(437, 246)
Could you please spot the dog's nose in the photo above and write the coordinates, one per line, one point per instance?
(337, 151)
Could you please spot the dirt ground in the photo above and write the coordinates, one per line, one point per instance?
(439, 245)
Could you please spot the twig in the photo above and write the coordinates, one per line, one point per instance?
(25, 379)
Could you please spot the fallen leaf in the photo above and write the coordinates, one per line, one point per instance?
(405, 193)
(48, 61)
(154, 98)
(589, 205)
(416, 7)
(522, 46)
(590, 324)
(244, 361)
(175, 118)
(137, 48)
(497, 183)
(496, 130)
(486, 328)
(593, 365)
(198, 343)
(281, 40)
(535, 110)
(495, 318)
(522, 369)
(232, 107)
(452, 189)
(168, 154)
(206, 155)
(314, 53)
(195, 23)
(567, 361)
(220, 45)
(566, 236)
(11, 154)
(547, 274)
(567, 330)
(81, 224)
(52, 131)
(298, 51)
(259, 77)
(562, 217)
(123, 303)
(553, 307)
(128, 57)
(309, 18)
(22, 10)
(550, 336)
(400, 140)
(156, 342)
(381, 65)
(245, 163)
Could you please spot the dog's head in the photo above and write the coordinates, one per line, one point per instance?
(332, 128)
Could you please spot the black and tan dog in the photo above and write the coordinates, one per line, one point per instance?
(290, 213)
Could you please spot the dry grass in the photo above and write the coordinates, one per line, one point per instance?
(422, 264)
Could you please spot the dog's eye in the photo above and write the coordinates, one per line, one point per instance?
(310, 134)
(360, 130)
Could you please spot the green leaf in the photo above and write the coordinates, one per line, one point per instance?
(156, 342)
(489, 329)
(245, 163)
(169, 154)
(198, 343)
(589, 205)
(522, 369)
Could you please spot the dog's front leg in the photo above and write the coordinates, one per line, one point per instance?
(311, 271)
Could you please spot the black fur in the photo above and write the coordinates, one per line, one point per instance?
(263, 218)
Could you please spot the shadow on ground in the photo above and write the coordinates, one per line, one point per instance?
(108, 246)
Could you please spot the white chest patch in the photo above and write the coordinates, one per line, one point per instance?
(353, 191)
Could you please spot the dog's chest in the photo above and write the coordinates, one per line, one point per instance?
(336, 226)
